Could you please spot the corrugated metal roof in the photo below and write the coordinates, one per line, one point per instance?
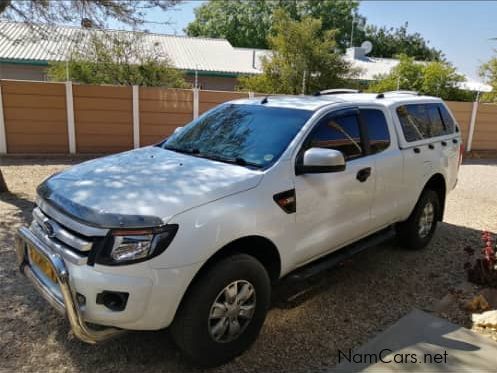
(370, 67)
(22, 42)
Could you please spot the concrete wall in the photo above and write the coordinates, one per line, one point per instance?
(35, 117)
(109, 119)
(103, 118)
(462, 112)
(161, 111)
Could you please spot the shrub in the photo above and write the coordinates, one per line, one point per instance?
(482, 270)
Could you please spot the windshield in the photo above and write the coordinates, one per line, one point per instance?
(248, 135)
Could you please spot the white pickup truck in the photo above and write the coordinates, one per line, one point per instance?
(191, 233)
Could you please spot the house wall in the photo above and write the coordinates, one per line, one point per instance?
(22, 72)
(215, 83)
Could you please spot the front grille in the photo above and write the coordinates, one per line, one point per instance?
(59, 234)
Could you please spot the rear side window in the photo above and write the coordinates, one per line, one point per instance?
(423, 121)
(414, 121)
(376, 124)
(448, 121)
(437, 127)
(340, 133)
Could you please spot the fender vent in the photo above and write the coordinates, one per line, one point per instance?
(286, 200)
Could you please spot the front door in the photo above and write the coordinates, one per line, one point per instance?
(334, 208)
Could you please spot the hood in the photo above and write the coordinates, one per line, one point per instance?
(143, 187)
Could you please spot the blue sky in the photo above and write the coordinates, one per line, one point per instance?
(461, 29)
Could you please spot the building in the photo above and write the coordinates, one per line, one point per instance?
(26, 51)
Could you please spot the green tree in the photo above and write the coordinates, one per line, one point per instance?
(488, 71)
(249, 23)
(303, 59)
(390, 42)
(118, 58)
(433, 78)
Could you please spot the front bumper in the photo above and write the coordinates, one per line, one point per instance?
(63, 299)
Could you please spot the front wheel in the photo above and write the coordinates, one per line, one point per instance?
(223, 312)
(417, 231)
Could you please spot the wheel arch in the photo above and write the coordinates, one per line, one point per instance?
(438, 184)
(261, 248)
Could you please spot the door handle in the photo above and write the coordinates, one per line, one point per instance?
(443, 143)
(454, 141)
(362, 175)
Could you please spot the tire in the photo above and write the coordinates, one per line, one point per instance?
(410, 233)
(198, 336)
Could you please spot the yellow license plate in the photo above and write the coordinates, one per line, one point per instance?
(42, 263)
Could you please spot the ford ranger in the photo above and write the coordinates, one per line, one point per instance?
(189, 234)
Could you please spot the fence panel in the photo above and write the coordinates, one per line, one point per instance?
(161, 111)
(209, 99)
(103, 117)
(35, 117)
(485, 135)
(462, 112)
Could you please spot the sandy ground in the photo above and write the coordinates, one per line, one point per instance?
(308, 322)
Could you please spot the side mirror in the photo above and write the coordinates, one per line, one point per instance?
(319, 160)
(177, 130)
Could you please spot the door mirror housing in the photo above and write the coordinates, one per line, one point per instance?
(320, 160)
(178, 130)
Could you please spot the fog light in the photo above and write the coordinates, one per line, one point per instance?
(113, 300)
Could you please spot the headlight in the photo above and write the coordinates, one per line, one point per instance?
(126, 246)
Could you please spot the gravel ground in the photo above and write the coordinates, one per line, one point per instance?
(308, 323)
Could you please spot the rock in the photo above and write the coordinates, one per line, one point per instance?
(490, 296)
(477, 304)
(486, 319)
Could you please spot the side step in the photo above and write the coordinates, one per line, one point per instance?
(340, 255)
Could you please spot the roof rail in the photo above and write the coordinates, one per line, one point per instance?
(336, 91)
(382, 95)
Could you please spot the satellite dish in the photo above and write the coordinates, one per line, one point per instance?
(367, 46)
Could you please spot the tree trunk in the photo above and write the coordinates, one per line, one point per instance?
(3, 184)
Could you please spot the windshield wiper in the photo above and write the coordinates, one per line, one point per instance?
(183, 150)
(238, 160)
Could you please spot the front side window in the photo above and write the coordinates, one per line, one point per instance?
(340, 133)
(376, 124)
(248, 135)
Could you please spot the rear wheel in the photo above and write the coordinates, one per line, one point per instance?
(223, 312)
(417, 231)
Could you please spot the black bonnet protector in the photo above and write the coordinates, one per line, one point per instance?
(93, 217)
